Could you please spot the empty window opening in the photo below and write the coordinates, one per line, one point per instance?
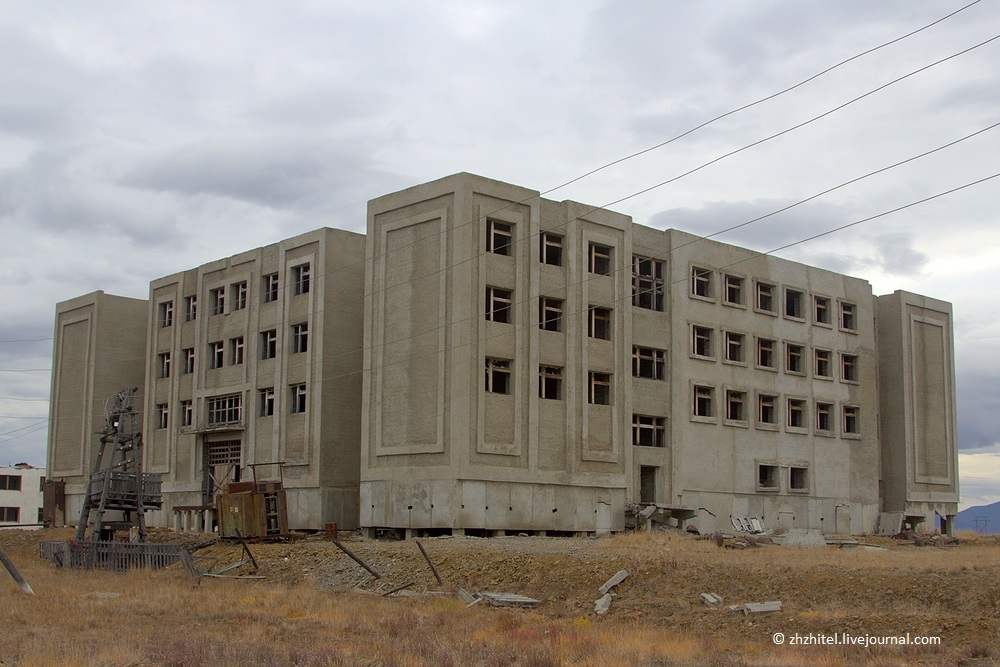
(793, 358)
(300, 279)
(765, 297)
(599, 323)
(767, 477)
(824, 364)
(701, 341)
(269, 288)
(600, 388)
(796, 413)
(648, 431)
(798, 479)
(703, 401)
(10, 482)
(701, 282)
(821, 310)
(238, 295)
(600, 259)
(550, 248)
(498, 305)
(499, 237)
(298, 399)
(793, 303)
(550, 382)
(498, 380)
(648, 363)
(734, 347)
(766, 413)
(550, 313)
(647, 283)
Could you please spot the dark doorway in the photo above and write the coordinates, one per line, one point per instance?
(647, 484)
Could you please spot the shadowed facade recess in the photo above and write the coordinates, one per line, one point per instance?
(485, 359)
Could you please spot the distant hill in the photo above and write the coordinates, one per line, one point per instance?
(966, 518)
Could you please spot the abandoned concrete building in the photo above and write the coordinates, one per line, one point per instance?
(486, 360)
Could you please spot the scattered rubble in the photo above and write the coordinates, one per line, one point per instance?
(757, 607)
(712, 600)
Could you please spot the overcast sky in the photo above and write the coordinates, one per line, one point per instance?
(141, 139)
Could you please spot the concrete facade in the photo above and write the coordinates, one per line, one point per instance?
(538, 365)
(21, 495)
(488, 360)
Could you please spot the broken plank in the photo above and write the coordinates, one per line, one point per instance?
(356, 559)
(428, 559)
(231, 567)
(397, 588)
(15, 575)
(761, 607)
(508, 599)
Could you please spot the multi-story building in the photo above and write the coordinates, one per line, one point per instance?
(21, 495)
(537, 365)
(495, 361)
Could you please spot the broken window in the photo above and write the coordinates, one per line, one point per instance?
(498, 305)
(550, 313)
(498, 380)
(600, 259)
(793, 303)
(166, 314)
(163, 362)
(265, 397)
(269, 287)
(847, 316)
(793, 358)
(703, 401)
(499, 237)
(599, 323)
(10, 514)
(187, 413)
(765, 297)
(821, 310)
(766, 413)
(161, 415)
(236, 347)
(190, 308)
(734, 346)
(225, 409)
(736, 405)
(796, 413)
(298, 405)
(217, 300)
(734, 290)
(300, 338)
(648, 431)
(600, 388)
(767, 477)
(701, 282)
(188, 359)
(648, 363)
(765, 352)
(10, 482)
(269, 344)
(216, 354)
(550, 248)
(798, 479)
(238, 295)
(300, 279)
(824, 417)
(647, 283)
(550, 382)
(852, 423)
(823, 367)
(849, 367)
(701, 341)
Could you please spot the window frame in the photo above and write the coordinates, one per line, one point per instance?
(217, 300)
(848, 317)
(229, 407)
(499, 376)
(770, 350)
(734, 284)
(796, 406)
(599, 321)
(163, 365)
(162, 416)
(794, 304)
(653, 359)
(495, 233)
(822, 310)
(191, 308)
(301, 278)
(849, 361)
(703, 407)
(237, 350)
(822, 363)
(599, 388)
(702, 283)
(599, 259)
(764, 290)
(265, 400)
(795, 351)
(770, 402)
(547, 306)
(216, 354)
(647, 286)
(739, 341)
(550, 381)
(736, 407)
(189, 357)
(187, 412)
(299, 403)
(499, 305)
(238, 295)
(300, 338)
(850, 414)
(269, 344)
(550, 249)
(823, 419)
(270, 287)
(166, 314)
(702, 334)
(654, 429)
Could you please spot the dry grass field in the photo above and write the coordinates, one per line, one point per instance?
(315, 606)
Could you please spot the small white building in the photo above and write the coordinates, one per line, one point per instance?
(21, 495)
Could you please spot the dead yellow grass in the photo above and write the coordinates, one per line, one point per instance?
(160, 618)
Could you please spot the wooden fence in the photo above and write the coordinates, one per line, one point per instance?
(114, 556)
